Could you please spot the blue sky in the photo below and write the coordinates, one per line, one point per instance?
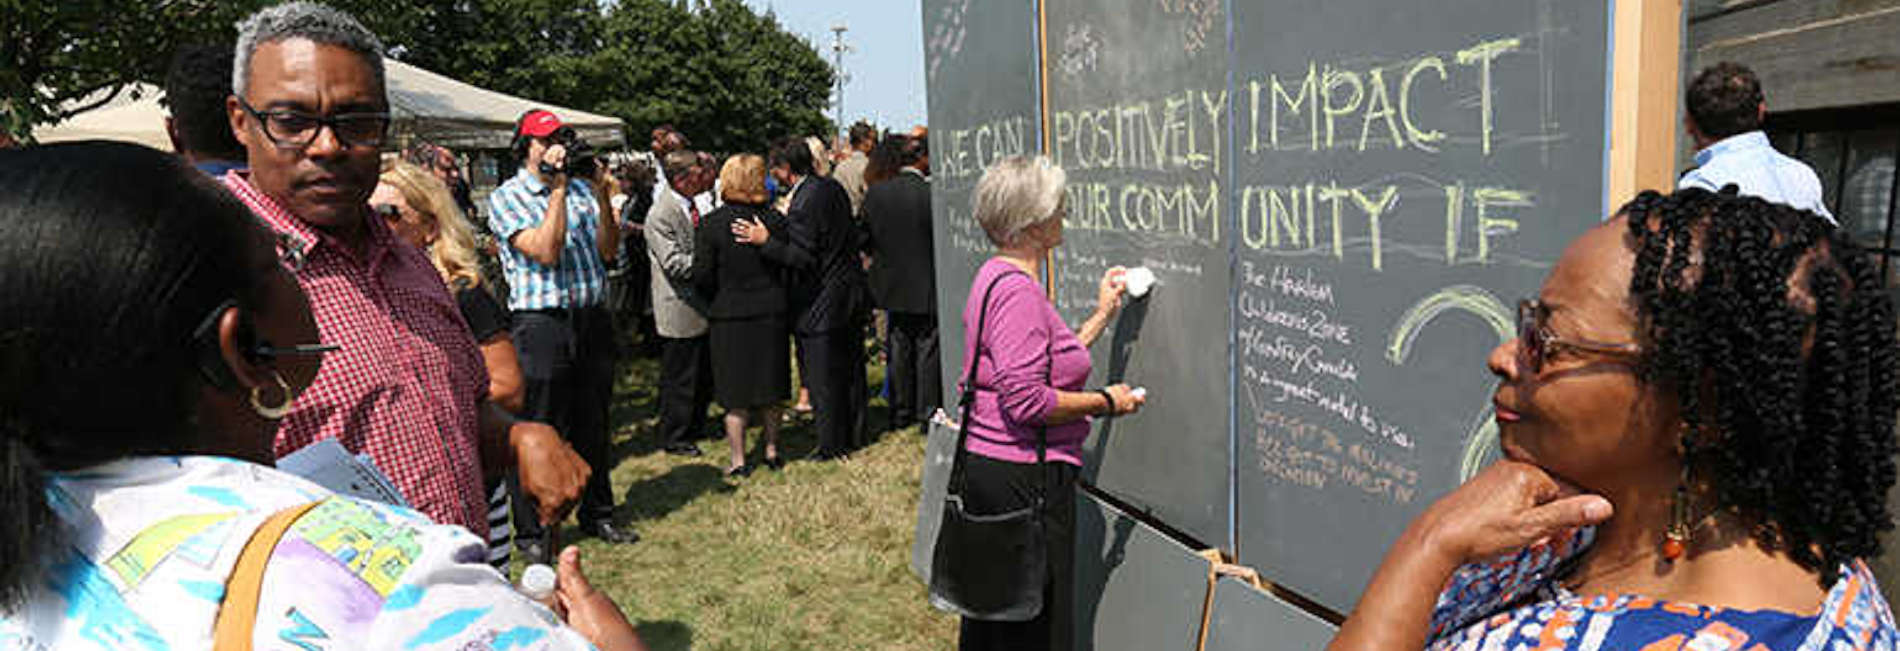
(887, 66)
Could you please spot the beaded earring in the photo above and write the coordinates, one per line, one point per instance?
(1676, 538)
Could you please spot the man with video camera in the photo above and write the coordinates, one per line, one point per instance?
(560, 234)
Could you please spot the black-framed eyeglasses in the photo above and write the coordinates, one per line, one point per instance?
(1535, 341)
(207, 328)
(387, 211)
(296, 129)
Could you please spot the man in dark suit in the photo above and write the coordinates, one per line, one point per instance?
(826, 298)
(904, 282)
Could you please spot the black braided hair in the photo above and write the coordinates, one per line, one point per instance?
(111, 254)
(1776, 333)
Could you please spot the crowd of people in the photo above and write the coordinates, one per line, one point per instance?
(1696, 414)
(322, 284)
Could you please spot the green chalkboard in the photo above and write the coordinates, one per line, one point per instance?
(1138, 119)
(984, 102)
(1403, 173)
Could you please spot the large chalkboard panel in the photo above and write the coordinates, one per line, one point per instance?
(1403, 173)
(980, 63)
(1246, 619)
(1138, 115)
(1135, 589)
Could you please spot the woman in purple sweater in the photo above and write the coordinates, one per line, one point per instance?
(1030, 380)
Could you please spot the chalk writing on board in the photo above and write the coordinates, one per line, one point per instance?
(946, 39)
(965, 151)
(1292, 348)
(1200, 16)
(1329, 218)
(1325, 95)
(1482, 438)
(1081, 51)
(1302, 453)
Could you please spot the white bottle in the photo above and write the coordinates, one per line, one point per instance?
(537, 583)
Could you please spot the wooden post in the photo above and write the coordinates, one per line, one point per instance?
(1645, 92)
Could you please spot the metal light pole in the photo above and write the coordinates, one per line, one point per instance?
(838, 48)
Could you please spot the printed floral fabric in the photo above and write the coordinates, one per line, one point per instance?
(1511, 603)
(154, 539)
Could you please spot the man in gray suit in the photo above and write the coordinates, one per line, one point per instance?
(685, 358)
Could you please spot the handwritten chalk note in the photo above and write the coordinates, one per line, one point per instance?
(1143, 136)
(1401, 172)
(984, 106)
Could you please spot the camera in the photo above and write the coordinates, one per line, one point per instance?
(581, 159)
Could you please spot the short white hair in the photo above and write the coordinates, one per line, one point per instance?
(307, 20)
(1016, 193)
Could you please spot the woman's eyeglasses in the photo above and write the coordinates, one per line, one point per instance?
(1535, 342)
(207, 329)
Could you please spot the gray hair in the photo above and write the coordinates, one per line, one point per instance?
(1016, 193)
(307, 20)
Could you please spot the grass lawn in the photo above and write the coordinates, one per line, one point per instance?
(815, 556)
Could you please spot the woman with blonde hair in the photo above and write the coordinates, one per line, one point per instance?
(420, 210)
(744, 286)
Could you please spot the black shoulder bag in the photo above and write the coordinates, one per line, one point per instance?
(988, 567)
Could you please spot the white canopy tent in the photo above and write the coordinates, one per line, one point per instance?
(460, 116)
(424, 105)
(124, 119)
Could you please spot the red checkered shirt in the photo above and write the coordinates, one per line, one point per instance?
(409, 381)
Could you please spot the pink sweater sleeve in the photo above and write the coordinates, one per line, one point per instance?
(1018, 340)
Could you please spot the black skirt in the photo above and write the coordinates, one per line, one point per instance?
(751, 361)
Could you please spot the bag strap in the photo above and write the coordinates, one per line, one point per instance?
(237, 616)
(968, 401)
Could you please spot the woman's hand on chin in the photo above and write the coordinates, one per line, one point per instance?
(1508, 506)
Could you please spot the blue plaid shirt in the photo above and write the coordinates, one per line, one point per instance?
(580, 278)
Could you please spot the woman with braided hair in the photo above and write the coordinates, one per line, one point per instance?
(1697, 420)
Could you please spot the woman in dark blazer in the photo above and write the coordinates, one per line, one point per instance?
(745, 288)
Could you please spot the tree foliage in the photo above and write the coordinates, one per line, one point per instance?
(729, 77)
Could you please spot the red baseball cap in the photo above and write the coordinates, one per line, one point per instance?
(538, 124)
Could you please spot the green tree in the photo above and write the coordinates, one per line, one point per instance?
(729, 77)
(59, 59)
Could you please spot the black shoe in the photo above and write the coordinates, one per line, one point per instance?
(827, 455)
(684, 450)
(531, 550)
(740, 471)
(775, 463)
(610, 533)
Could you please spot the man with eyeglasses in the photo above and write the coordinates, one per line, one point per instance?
(408, 385)
(557, 234)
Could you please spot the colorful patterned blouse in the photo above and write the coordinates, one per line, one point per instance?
(155, 539)
(1512, 604)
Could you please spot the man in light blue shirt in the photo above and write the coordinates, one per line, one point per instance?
(1725, 113)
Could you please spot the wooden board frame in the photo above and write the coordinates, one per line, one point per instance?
(1645, 98)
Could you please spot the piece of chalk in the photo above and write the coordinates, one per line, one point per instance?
(1139, 392)
(1139, 280)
